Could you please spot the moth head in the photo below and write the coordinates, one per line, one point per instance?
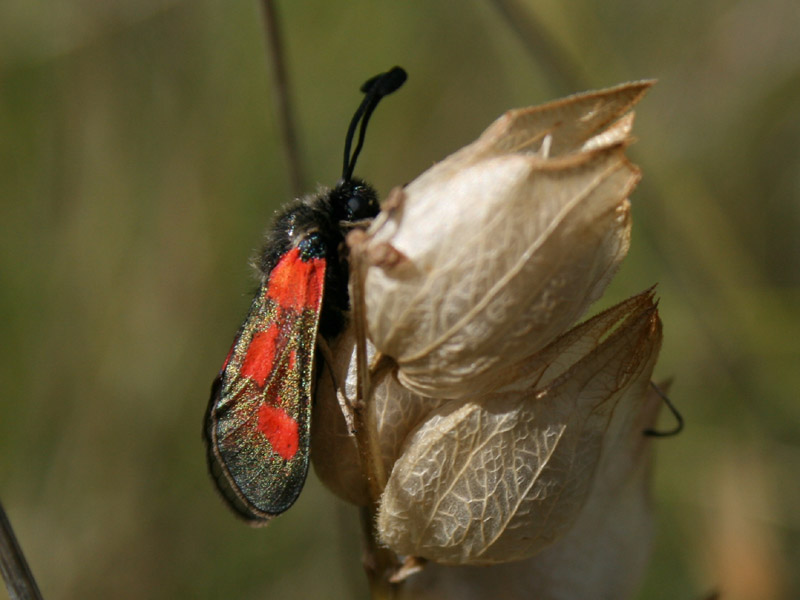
(354, 200)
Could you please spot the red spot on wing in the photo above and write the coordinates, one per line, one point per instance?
(294, 283)
(260, 357)
(280, 429)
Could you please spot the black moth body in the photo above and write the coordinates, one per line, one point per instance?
(319, 224)
(257, 424)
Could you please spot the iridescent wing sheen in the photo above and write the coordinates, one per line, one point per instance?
(258, 421)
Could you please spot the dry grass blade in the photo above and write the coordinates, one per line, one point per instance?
(280, 89)
(18, 577)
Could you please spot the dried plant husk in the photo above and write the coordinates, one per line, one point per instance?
(504, 244)
(393, 411)
(603, 555)
(510, 441)
(500, 477)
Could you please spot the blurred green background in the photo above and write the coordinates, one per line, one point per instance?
(140, 164)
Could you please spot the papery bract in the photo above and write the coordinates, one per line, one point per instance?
(605, 552)
(506, 436)
(499, 477)
(603, 555)
(393, 410)
(504, 244)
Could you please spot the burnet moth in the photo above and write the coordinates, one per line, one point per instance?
(257, 425)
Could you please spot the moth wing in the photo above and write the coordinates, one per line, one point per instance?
(258, 421)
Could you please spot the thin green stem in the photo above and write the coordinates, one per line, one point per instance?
(280, 90)
(18, 577)
(380, 563)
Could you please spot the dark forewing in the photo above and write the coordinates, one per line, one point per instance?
(258, 422)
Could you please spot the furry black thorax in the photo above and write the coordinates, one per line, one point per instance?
(322, 221)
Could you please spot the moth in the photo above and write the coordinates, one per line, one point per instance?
(257, 425)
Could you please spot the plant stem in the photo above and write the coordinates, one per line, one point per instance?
(19, 579)
(380, 563)
(280, 89)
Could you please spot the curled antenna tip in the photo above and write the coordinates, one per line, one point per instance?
(385, 83)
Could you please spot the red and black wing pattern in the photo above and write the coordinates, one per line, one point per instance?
(258, 421)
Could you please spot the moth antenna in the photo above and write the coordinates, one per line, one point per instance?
(280, 91)
(375, 88)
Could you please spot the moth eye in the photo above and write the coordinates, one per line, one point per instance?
(361, 205)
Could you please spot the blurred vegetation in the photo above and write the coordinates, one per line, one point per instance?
(140, 164)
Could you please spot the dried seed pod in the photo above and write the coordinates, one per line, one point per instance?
(499, 477)
(609, 544)
(506, 435)
(503, 245)
(393, 410)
